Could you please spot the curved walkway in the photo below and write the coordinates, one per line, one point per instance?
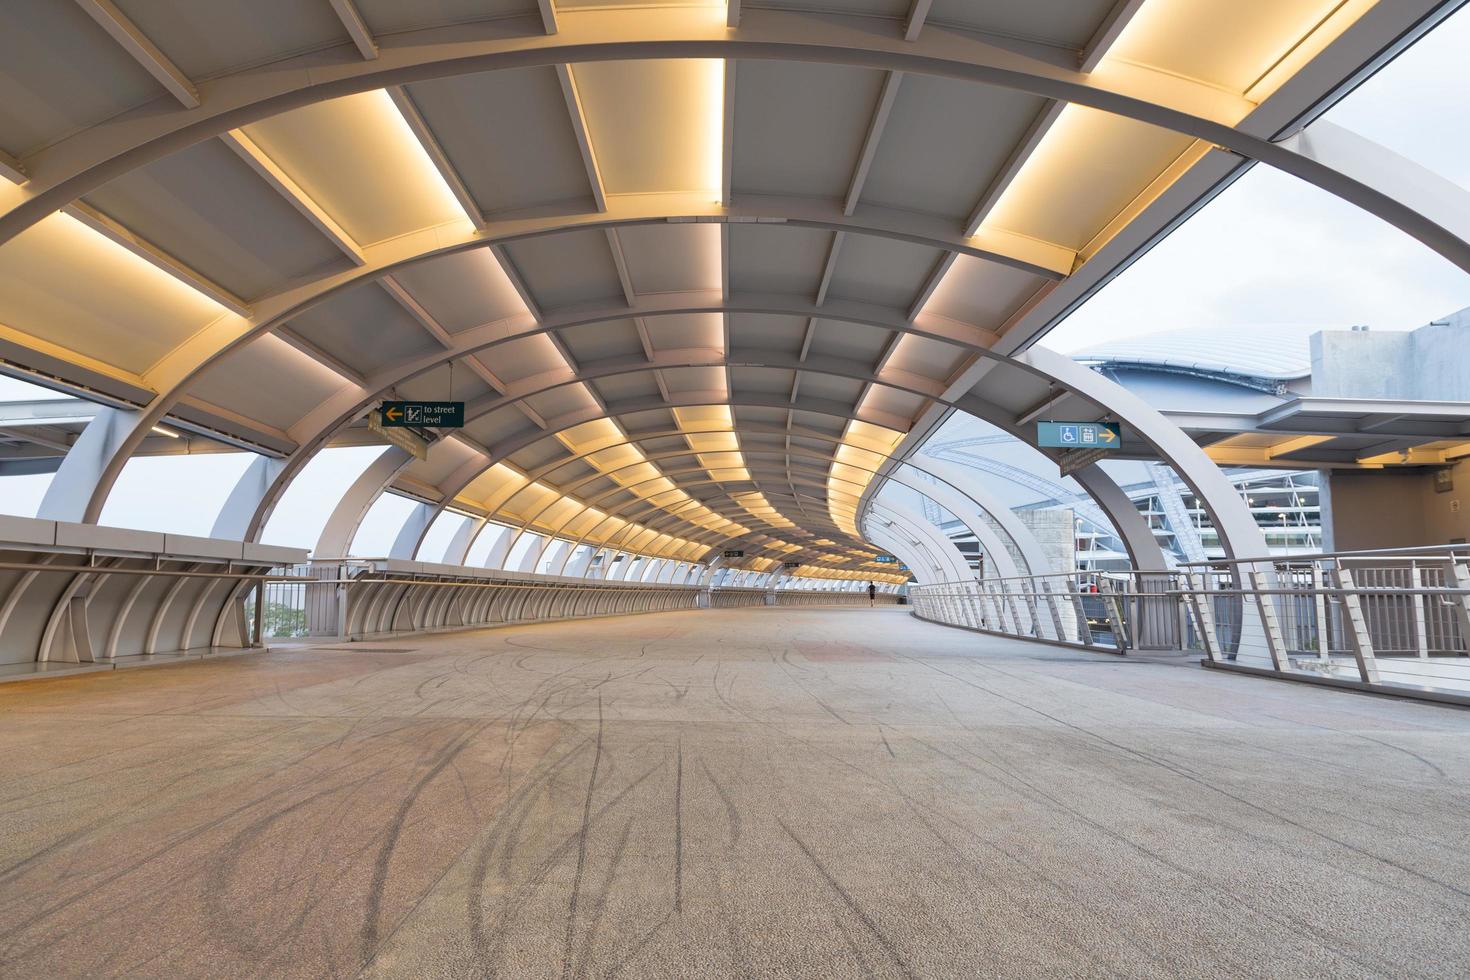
(763, 792)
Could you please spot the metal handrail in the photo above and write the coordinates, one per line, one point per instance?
(1381, 553)
(1379, 616)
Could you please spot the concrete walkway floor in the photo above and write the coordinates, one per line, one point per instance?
(743, 793)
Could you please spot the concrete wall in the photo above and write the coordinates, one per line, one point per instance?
(1364, 509)
(1428, 363)
(1056, 531)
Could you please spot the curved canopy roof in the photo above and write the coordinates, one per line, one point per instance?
(1275, 352)
(697, 269)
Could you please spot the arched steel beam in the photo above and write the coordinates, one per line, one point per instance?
(950, 475)
(350, 402)
(945, 473)
(918, 561)
(1239, 534)
(969, 513)
(1113, 501)
(342, 524)
(904, 550)
(76, 166)
(898, 537)
(637, 524)
(950, 496)
(817, 480)
(317, 428)
(850, 370)
(1039, 78)
(945, 553)
(990, 506)
(772, 359)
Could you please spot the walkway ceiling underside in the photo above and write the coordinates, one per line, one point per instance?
(699, 271)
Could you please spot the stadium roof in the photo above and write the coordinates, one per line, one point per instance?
(1276, 352)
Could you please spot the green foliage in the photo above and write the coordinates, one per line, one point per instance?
(284, 620)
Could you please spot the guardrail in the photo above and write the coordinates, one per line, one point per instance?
(359, 598)
(82, 596)
(734, 597)
(1390, 620)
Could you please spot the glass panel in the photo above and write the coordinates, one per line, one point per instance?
(521, 549)
(303, 511)
(379, 529)
(178, 494)
(485, 543)
(21, 495)
(441, 532)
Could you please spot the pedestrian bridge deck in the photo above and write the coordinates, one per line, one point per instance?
(813, 792)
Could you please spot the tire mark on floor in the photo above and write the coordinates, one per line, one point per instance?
(679, 833)
(847, 900)
(566, 956)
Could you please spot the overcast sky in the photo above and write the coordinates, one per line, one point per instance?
(1274, 249)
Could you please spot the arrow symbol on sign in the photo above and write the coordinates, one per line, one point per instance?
(1107, 435)
(393, 414)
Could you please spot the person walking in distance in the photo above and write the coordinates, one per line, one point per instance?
(872, 594)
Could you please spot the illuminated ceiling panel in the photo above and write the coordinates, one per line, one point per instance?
(758, 289)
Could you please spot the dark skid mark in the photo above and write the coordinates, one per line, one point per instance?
(566, 957)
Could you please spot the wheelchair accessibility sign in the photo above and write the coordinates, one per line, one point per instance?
(1079, 435)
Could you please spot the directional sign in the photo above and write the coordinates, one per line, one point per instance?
(791, 564)
(886, 560)
(423, 415)
(1079, 435)
(409, 442)
(1072, 460)
(734, 554)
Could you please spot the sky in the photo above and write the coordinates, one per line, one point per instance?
(1273, 249)
(1269, 249)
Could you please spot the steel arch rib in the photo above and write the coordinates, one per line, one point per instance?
(948, 564)
(317, 429)
(945, 552)
(817, 480)
(1094, 481)
(468, 473)
(982, 501)
(913, 557)
(989, 505)
(75, 167)
(1097, 389)
(1239, 533)
(352, 400)
(945, 494)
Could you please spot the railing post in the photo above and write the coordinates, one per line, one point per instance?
(1458, 577)
(1115, 620)
(1056, 612)
(1324, 625)
(1357, 630)
(258, 614)
(1004, 610)
(1204, 615)
(1084, 631)
(1270, 624)
(991, 615)
(966, 604)
(1421, 634)
(1009, 598)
